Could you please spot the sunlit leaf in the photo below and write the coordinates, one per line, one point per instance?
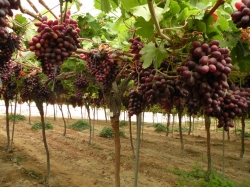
(105, 6)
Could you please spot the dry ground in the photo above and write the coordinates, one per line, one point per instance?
(76, 164)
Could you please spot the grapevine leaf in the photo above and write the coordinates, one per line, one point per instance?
(201, 26)
(228, 40)
(97, 39)
(115, 2)
(142, 2)
(202, 5)
(105, 6)
(78, 4)
(150, 54)
(166, 7)
(144, 29)
(175, 8)
(73, 64)
(240, 57)
(186, 13)
(129, 4)
(109, 27)
(86, 44)
(213, 31)
(222, 22)
(143, 11)
(193, 2)
(20, 19)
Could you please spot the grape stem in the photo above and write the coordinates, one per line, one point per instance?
(34, 72)
(34, 8)
(65, 11)
(180, 27)
(117, 52)
(167, 76)
(158, 29)
(216, 6)
(45, 6)
(28, 12)
(30, 66)
(61, 12)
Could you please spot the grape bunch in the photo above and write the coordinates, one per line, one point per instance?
(10, 91)
(6, 72)
(155, 88)
(136, 103)
(17, 68)
(204, 75)
(5, 9)
(241, 17)
(12, 43)
(135, 47)
(81, 83)
(236, 102)
(191, 105)
(55, 42)
(103, 67)
(32, 88)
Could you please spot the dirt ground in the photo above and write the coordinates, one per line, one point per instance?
(76, 164)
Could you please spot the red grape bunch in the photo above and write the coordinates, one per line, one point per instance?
(6, 70)
(5, 9)
(103, 67)
(204, 74)
(32, 88)
(81, 83)
(7, 49)
(136, 46)
(10, 91)
(242, 15)
(55, 42)
(235, 104)
(136, 103)
(155, 88)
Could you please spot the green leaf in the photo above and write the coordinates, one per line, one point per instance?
(115, 2)
(213, 31)
(129, 4)
(97, 39)
(144, 29)
(186, 13)
(222, 22)
(143, 11)
(20, 19)
(105, 6)
(228, 40)
(142, 2)
(166, 7)
(201, 26)
(73, 64)
(78, 4)
(175, 8)
(203, 5)
(150, 54)
(241, 57)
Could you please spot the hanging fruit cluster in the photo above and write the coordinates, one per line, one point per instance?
(55, 42)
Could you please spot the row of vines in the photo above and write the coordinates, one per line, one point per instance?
(188, 56)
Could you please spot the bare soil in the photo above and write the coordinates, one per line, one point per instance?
(76, 164)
